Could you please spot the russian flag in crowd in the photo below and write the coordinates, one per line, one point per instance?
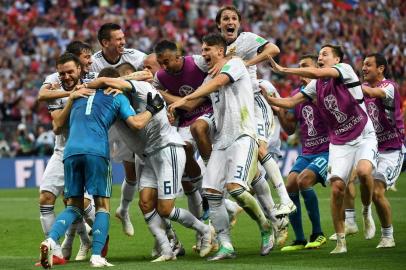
(346, 4)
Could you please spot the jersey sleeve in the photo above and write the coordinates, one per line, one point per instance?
(125, 108)
(156, 83)
(254, 43)
(389, 90)
(234, 69)
(270, 88)
(138, 59)
(51, 79)
(200, 63)
(310, 90)
(347, 73)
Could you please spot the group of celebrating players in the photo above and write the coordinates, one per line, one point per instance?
(114, 103)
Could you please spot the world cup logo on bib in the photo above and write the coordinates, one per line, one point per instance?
(185, 90)
(308, 115)
(330, 102)
(373, 112)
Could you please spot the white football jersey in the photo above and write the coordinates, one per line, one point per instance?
(157, 134)
(59, 103)
(274, 143)
(132, 56)
(246, 47)
(233, 105)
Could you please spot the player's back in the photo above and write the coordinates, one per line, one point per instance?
(90, 120)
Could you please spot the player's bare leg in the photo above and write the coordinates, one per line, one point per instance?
(272, 170)
(200, 132)
(252, 208)
(350, 224)
(383, 209)
(128, 189)
(337, 212)
(364, 172)
(166, 208)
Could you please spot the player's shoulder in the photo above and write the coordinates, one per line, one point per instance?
(250, 36)
(90, 76)
(267, 84)
(344, 66)
(235, 63)
(386, 83)
(98, 55)
(52, 78)
(129, 52)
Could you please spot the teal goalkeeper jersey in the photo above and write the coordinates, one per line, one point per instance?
(90, 120)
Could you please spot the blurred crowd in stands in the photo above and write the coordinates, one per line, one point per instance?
(33, 33)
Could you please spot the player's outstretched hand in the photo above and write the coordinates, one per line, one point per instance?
(172, 107)
(82, 92)
(143, 75)
(154, 105)
(275, 66)
(112, 91)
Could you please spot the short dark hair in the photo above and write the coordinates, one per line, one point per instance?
(380, 60)
(164, 45)
(67, 57)
(313, 57)
(337, 50)
(109, 72)
(215, 39)
(124, 67)
(105, 31)
(77, 47)
(224, 8)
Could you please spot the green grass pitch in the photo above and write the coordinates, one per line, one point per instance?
(21, 234)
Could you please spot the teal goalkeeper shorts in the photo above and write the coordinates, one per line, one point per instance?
(89, 172)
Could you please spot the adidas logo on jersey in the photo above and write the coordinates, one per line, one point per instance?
(97, 231)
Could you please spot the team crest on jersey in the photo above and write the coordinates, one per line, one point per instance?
(185, 90)
(232, 51)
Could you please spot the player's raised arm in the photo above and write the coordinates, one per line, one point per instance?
(47, 92)
(60, 117)
(288, 102)
(308, 72)
(189, 106)
(267, 50)
(139, 121)
(202, 91)
(143, 75)
(103, 82)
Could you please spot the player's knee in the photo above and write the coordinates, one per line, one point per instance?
(199, 129)
(46, 198)
(232, 186)
(364, 169)
(102, 203)
(146, 205)
(86, 202)
(337, 189)
(262, 151)
(164, 209)
(305, 180)
(379, 192)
